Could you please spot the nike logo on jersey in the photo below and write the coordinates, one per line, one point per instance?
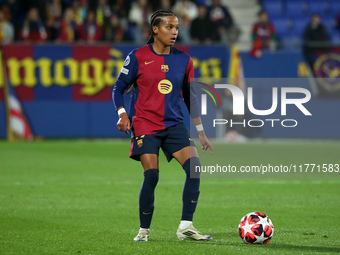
(146, 63)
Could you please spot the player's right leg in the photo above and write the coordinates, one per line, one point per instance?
(147, 195)
(146, 149)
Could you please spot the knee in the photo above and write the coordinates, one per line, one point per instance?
(190, 166)
(152, 175)
(191, 163)
(149, 161)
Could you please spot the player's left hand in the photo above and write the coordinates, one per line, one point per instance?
(206, 144)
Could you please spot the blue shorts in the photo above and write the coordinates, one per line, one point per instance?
(171, 139)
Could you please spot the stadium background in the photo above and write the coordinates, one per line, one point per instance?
(71, 196)
(65, 89)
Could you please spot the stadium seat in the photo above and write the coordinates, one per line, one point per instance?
(329, 23)
(319, 7)
(334, 7)
(296, 9)
(335, 35)
(283, 26)
(299, 26)
(274, 8)
(291, 41)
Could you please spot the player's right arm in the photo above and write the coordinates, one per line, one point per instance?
(127, 76)
(123, 123)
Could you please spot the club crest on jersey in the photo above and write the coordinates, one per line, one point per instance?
(165, 68)
(140, 143)
(165, 86)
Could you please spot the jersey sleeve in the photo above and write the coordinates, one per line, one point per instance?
(188, 90)
(129, 71)
(126, 77)
(117, 93)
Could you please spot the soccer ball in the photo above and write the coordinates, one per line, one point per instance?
(256, 228)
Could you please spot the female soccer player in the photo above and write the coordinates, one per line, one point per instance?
(160, 74)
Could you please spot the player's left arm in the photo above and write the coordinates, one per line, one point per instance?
(191, 101)
(201, 134)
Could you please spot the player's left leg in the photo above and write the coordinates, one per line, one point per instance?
(178, 145)
(188, 158)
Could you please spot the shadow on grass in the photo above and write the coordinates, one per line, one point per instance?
(223, 239)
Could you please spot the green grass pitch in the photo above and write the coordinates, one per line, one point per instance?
(81, 197)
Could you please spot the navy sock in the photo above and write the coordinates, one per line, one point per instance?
(190, 190)
(147, 197)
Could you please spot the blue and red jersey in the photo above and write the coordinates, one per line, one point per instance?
(263, 33)
(160, 83)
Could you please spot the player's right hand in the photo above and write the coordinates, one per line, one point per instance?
(123, 123)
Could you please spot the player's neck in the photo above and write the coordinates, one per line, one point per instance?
(161, 49)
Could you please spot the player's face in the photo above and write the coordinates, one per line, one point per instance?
(167, 31)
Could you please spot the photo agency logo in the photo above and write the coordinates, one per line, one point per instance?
(241, 99)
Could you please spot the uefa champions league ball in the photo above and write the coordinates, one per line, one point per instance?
(256, 228)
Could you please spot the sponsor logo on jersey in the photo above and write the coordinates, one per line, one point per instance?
(127, 61)
(165, 68)
(146, 63)
(165, 86)
(125, 71)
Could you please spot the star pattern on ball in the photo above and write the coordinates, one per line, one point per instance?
(247, 228)
(263, 221)
(260, 239)
(256, 228)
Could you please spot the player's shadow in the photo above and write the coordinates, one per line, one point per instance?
(303, 249)
(223, 239)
